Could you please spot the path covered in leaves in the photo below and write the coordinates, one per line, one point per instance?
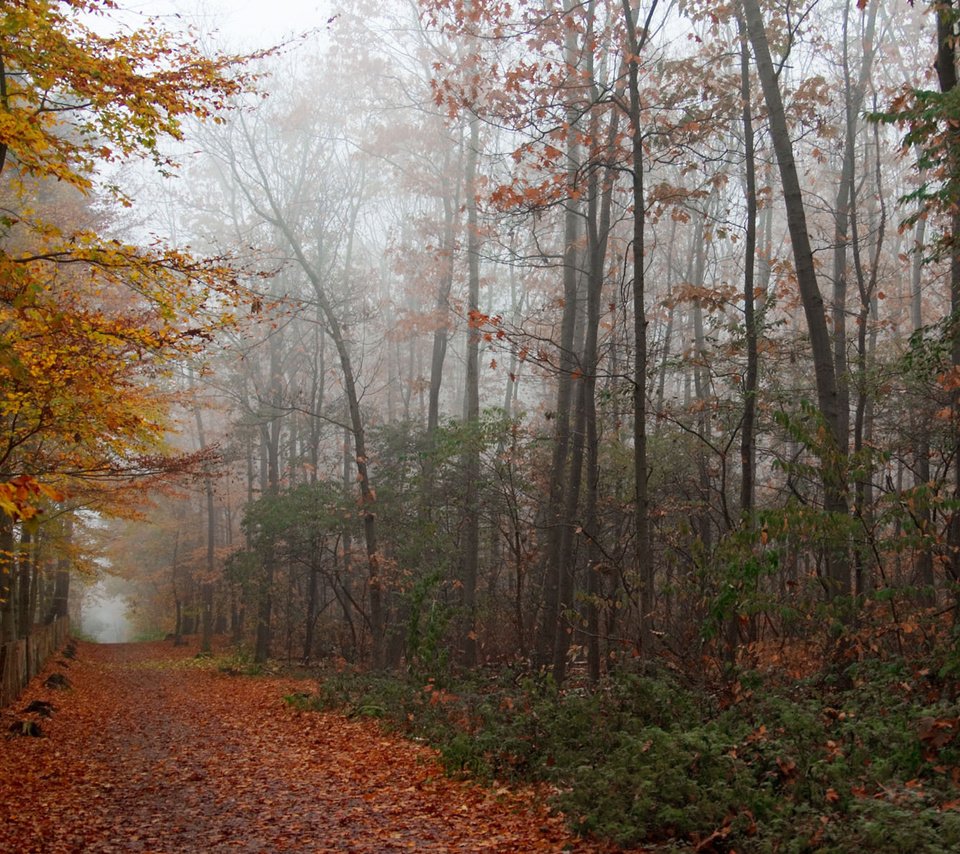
(151, 750)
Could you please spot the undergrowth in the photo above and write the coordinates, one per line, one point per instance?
(644, 759)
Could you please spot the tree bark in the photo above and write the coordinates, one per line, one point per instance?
(748, 441)
(470, 461)
(921, 429)
(833, 451)
(451, 204)
(8, 611)
(643, 560)
(843, 207)
(206, 586)
(599, 214)
(269, 485)
(24, 575)
(557, 559)
(61, 584)
(946, 66)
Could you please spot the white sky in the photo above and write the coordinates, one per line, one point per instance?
(240, 24)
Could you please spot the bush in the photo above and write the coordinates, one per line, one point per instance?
(642, 759)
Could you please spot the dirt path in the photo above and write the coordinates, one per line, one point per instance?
(152, 751)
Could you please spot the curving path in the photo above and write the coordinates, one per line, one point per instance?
(152, 751)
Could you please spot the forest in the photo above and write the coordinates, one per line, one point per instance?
(593, 363)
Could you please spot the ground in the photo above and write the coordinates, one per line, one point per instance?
(153, 750)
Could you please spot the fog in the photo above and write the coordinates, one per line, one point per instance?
(103, 616)
(402, 449)
(239, 24)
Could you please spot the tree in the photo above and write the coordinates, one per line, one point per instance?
(89, 324)
(320, 238)
(828, 395)
(645, 569)
(470, 555)
(932, 137)
(82, 311)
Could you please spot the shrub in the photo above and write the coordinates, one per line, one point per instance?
(642, 759)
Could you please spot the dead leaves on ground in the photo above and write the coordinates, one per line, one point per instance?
(144, 756)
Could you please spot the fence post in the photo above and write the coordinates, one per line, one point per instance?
(19, 664)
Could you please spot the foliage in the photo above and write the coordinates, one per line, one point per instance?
(427, 651)
(239, 662)
(644, 759)
(20, 495)
(929, 120)
(744, 562)
(298, 517)
(119, 96)
(91, 325)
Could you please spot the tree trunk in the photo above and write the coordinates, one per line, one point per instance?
(701, 387)
(748, 441)
(667, 344)
(844, 210)
(599, 212)
(643, 560)
(24, 553)
(748, 433)
(557, 560)
(36, 574)
(470, 461)
(866, 347)
(61, 584)
(8, 611)
(451, 204)
(206, 585)
(833, 453)
(946, 65)
(311, 615)
(921, 429)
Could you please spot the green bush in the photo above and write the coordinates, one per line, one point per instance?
(642, 759)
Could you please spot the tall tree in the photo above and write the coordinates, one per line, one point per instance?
(833, 452)
(273, 188)
(646, 576)
(88, 324)
(946, 67)
(470, 543)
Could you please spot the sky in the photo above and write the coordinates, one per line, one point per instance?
(240, 24)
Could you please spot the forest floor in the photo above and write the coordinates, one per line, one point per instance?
(150, 749)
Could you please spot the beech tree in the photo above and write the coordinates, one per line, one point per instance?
(834, 452)
(533, 275)
(71, 101)
(89, 323)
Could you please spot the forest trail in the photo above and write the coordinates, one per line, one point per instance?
(151, 750)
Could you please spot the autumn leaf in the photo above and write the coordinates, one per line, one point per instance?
(148, 725)
(89, 325)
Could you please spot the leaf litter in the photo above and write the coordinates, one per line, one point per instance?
(152, 751)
